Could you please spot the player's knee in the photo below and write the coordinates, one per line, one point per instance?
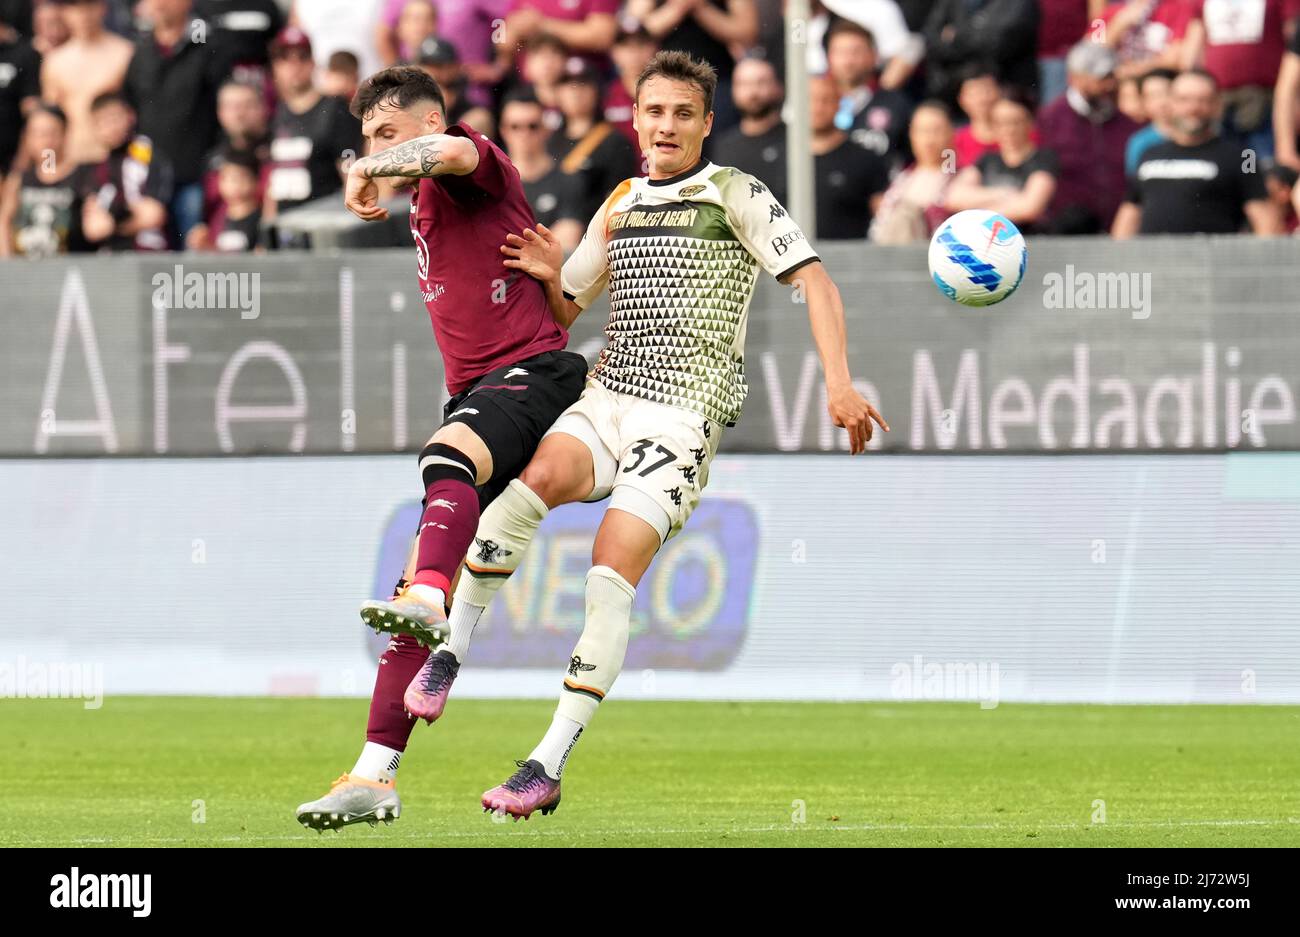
(627, 543)
(550, 482)
(441, 462)
(461, 443)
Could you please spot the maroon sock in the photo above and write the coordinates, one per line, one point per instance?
(389, 723)
(446, 531)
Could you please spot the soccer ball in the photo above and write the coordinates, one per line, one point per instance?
(977, 257)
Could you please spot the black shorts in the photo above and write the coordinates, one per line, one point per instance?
(512, 407)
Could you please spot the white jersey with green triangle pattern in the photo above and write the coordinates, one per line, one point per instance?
(681, 258)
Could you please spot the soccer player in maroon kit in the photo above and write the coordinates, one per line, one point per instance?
(509, 378)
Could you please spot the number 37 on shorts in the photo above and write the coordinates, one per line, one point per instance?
(650, 458)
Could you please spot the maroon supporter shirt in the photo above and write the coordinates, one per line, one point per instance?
(1244, 39)
(484, 314)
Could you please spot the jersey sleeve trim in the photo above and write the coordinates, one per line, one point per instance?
(801, 264)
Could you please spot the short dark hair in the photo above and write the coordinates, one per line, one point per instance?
(546, 41)
(980, 68)
(756, 56)
(680, 66)
(107, 98)
(1168, 74)
(1200, 73)
(934, 104)
(343, 61)
(843, 27)
(1020, 97)
(244, 159)
(637, 33)
(522, 94)
(399, 87)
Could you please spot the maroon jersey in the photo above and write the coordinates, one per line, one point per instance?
(484, 314)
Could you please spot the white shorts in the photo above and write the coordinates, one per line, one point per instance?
(651, 459)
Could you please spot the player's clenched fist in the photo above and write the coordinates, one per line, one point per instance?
(361, 194)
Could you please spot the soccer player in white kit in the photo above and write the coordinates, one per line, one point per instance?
(680, 253)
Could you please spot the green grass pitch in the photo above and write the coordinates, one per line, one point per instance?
(663, 774)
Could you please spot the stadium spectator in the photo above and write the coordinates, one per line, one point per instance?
(335, 25)
(1195, 182)
(245, 29)
(312, 136)
(1241, 43)
(632, 52)
(1088, 134)
(849, 180)
(468, 24)
(440, 61)
(874, 117)
(172, 83)
(959, 32)
(1145, 34)
(241, 113)
(1128, 98)
(1280, 182)
(554, 196)
(899, 48)
(543, 67)
(1153, 88)
(586, 27)
(912, 206)
(416, 22)
(588, 147)
(707, 30)
(1060, 24)
(1286, 106)
(92, 62)
(757, 144)
(976, 95)
(20, 89)
(49, 31)
(127, 193)
(236, 226)
(1019, 179)
(342, 75)
(40, 207)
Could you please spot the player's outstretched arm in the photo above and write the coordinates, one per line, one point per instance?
(435, 154)
(540, 255)
(847, 407)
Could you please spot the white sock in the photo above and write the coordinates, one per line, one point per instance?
(377, 763)
(504, 532)
(464, 618)
(429, 595)
(553, 750)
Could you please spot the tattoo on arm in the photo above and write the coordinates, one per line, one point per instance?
(414, 159)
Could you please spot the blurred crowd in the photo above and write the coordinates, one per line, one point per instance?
(195, 124)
